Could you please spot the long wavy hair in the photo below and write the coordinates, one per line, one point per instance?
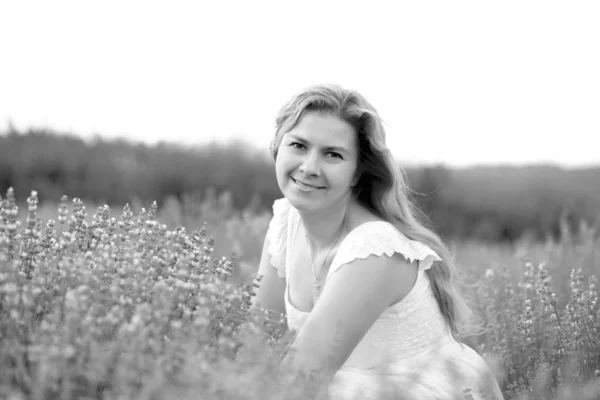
(382, 185)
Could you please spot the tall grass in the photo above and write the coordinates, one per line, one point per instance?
(104, 307)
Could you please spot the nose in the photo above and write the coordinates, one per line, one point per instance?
(310, 164)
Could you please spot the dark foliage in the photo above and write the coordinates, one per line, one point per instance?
(488, 203)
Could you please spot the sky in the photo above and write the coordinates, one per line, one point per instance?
(458, 83)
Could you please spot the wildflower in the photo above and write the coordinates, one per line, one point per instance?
(63, 210)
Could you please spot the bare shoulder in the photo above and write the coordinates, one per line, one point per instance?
(359, 215)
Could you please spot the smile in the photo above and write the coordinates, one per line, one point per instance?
(305, 186)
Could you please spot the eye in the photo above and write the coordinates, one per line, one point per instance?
(336, 155)
(296, 145)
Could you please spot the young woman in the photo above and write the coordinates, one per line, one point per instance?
(368, 290)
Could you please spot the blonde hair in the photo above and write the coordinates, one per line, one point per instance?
(382, 185)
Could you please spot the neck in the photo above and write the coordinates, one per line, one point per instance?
(323, 226)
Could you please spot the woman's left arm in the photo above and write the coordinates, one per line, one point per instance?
(353, 298)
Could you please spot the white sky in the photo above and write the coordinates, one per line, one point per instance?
(458, 83)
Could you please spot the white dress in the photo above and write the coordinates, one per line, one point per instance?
(409, 348)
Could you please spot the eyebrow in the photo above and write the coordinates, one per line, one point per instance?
(336, 148)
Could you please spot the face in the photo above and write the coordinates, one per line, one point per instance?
(317, 161)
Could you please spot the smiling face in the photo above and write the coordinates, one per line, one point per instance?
(317, 161)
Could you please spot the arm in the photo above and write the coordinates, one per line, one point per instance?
(270, 293)
(352, 300)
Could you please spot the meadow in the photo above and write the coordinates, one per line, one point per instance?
(138, 302)
(495, 203)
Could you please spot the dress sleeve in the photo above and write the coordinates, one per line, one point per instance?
(380, 238)
(277, 234)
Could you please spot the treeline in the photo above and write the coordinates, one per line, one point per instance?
(117, 171)
(490, 203)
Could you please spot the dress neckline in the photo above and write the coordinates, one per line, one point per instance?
(287, 274)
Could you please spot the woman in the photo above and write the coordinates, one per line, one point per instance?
(368, 290)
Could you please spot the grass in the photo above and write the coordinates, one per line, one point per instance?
(134, 306)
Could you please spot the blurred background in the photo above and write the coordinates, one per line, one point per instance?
(490, 108)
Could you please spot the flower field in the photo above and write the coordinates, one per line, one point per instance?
(156, 304)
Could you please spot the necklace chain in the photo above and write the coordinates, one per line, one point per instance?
(316, 284)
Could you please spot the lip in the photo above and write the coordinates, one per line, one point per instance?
(304, 183)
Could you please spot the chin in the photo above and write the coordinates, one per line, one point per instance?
(302, 202)
(307, 203)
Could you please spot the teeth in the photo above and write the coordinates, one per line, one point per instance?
(305, 186)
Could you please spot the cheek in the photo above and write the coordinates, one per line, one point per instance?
(348, 171)
(284, 158)
(281, 165)
(347, 176)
